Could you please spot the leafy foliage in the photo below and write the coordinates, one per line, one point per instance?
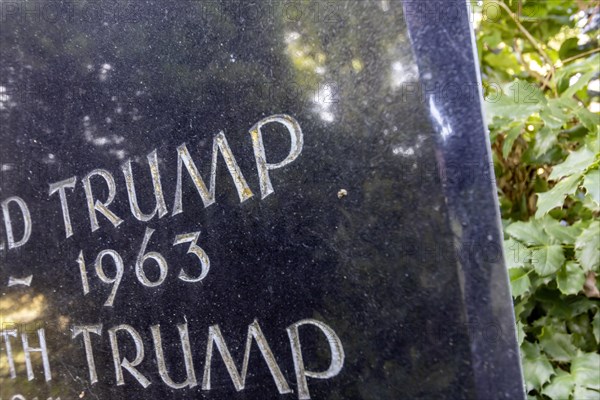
(540, 67)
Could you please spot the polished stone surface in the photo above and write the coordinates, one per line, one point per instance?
(383, 226)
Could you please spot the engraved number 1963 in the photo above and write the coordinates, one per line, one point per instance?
(142, 259)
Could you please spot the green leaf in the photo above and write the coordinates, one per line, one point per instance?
(553, 115)
(583, 66)
(568, 48)
(560, 387)
(561, 233)
(519, 281)
(596, 327)
(587, 247)
(585, 370)
(520, 333)
(588, 119)
(530, 232)
(576, 162)
(555, 197)
(503, 60)
(515, 254)
(493, 39)
(590, 204)
(581, 83)
(557, 345)
(547, 259)
(570, 278)
(509, 140)
(518, 100)
(582, 393)
(545, 138)
(591, 183)
(537, 370)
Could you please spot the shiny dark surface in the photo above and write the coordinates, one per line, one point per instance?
(385, 227)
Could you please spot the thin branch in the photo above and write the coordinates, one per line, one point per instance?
(534, 42)
(528, 35)
(578, 56)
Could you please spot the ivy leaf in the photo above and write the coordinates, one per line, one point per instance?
(515, 254)
(596, 327)
(502, 61)
(587, 247)
(557, 345)
(520, 333)
(591, 183)
(555, 197)
(583, 393)
(547, 259)
(570, 278)
(553, 115)
(583, 66)
(529, 232)
(580, 84)
(590, 204)
(518, 100)
(561, 386)
(584, 369)
(562, 233)
(537, 370)
(509, 140)
(588, 119)
(519, 281)
(493, 39)
(568, 48)
(576, 162)
(545, 138)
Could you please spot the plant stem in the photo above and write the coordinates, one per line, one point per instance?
(532, 40)
(578, 56)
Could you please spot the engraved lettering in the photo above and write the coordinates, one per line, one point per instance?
(97, 206)
(160, 206)
(187, 357)
(60, 188)
(160, 260)
(8, 222)
(27, 350)
(87, 342)
(12, 281)
(83, 273)
(337, 356)
(192, 238)
(125, 363)
(208, 195)
(116, 281)
(266, 188)
(11, 361)
(254, 332)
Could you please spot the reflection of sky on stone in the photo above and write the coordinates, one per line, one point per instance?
(4, 97)
(385, 5)
(91, 131)
(403, 73)
(404, 77)
(444, 129)
(104, 70)
(407, 151)
(323, 101)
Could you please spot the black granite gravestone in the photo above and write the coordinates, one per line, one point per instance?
(248, 200)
